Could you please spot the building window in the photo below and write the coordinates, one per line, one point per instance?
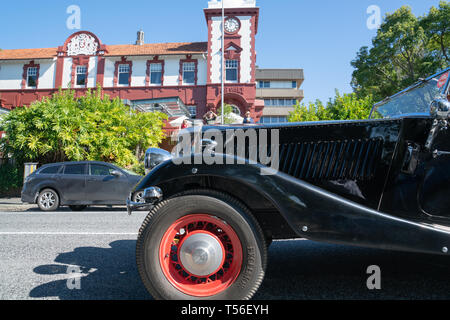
(156, 73)
(81, 76)
(268, 120)
(124, 74)
(264, 84)
(280, 102)
(189, 73)
(32, 75)
(294, 84)
(232, 70)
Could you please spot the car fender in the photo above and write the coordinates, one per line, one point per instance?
(312, 212)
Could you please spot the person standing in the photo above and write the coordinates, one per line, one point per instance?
(248, 119)
(210, 117)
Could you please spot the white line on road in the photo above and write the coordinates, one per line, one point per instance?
(69, 233)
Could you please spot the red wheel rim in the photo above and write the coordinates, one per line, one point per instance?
(179, 276)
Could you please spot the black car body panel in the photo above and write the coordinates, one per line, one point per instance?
(381, 183)
(84, 187)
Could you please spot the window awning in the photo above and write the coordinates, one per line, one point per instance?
(173, 107)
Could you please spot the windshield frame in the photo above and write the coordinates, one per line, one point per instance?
(443, 92)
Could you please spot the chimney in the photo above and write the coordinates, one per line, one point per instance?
(140, 38)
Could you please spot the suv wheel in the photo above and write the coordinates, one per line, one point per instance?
(201, 245)
(48, 200)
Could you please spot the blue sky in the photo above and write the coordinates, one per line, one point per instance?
(322, 37)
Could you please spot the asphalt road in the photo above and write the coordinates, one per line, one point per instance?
(38, 249)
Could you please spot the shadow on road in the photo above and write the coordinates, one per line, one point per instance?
(107, 274)
(296, 270)
(308, 270)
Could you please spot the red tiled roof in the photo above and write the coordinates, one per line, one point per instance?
(113, 50)
(26, 54)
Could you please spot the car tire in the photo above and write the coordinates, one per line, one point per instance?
(179, 226)
(48, 200)
(77, 208)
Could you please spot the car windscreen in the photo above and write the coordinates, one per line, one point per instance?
(415, 100)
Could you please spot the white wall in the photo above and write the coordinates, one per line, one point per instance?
(216, 49)
(92, 72)
(11, 74)
(67, 73)
(246, 45)
(47, 73)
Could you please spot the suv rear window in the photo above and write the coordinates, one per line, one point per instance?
(50, 170)
(75, 169)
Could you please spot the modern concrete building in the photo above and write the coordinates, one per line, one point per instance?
(280, 90)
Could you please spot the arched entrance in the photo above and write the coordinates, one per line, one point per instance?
(238, 103)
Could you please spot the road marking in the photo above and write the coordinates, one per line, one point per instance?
(69, 233)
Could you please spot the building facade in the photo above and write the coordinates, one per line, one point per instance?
(280, 90)
(176, 78)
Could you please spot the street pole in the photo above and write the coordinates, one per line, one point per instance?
(223, 61)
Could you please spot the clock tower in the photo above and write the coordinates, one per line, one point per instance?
(241, 27)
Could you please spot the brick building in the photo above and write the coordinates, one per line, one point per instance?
(176, 78)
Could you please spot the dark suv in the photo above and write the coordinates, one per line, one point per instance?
(79, 184)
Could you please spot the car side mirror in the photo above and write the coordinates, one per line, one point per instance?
(440, 109)
(116, 173)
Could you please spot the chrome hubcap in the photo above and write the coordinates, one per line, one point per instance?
(139, 198)
(47, 200)
(201, 254)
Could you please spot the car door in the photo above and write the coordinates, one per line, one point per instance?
(105, 188)
(73, 183)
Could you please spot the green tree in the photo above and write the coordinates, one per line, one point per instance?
(92, 127)
(405, 49)
(437, 28)
(342, 107)
(227, 110)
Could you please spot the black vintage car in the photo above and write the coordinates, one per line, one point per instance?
(382, 183)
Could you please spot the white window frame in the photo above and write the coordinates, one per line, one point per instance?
(123, 68)
(156, 68)
(232, 65)
(32, 72)
(77, 72)
(188, 67)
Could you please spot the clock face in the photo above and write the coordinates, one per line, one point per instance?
(232, 25)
